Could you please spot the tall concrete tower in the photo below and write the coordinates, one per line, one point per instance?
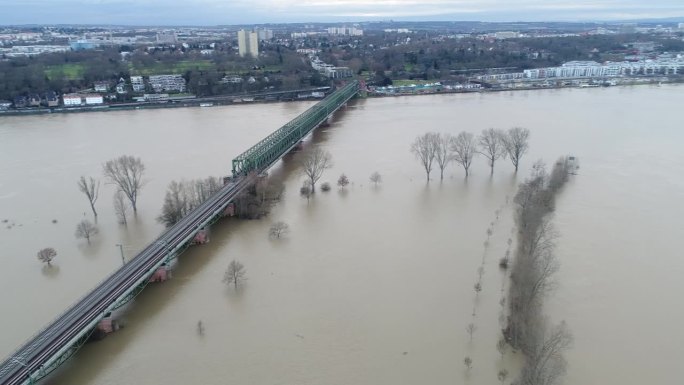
(248, 43)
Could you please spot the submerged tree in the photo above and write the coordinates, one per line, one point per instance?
(86, 229)
(235, 274)
(342, 181)
(46, 255)
(471, 328)
(425, 149)
(376, 178)
(90, 188)
(184, 196)
(463, 147)
(468, 362)
(443, 153)
(278, 229)
(120, 207)
(313, 163)
(516, 142)
(492, 146)
(126, 172)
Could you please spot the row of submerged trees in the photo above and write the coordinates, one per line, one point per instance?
(493, 144)
(531, 279)
(126, 173)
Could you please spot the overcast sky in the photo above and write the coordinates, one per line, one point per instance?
(215, 12)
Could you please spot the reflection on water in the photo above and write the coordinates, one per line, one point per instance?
(373, 285)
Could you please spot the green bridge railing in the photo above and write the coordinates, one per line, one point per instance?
(271, 148)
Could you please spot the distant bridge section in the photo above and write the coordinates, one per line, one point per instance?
(263, 154)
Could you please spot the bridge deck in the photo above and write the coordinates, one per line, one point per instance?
(47, 349)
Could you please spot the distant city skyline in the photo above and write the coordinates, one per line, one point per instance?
(223, 12)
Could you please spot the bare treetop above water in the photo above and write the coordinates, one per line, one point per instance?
(126, 172)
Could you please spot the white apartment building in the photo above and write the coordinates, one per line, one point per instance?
(93, 99)
(248, 43)
(137, 83)
(351, 31)
(264, 34)
(580, 69)
(72, 100)
(160, 83)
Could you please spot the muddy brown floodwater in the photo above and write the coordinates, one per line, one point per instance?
(373, 285)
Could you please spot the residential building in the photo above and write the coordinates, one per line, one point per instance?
(20, 101)
(347, 31)
(34, 100)
(160, 83)
(248, 43)
(337, 72)
(92, 99)
(231, 79)
(101, 86)
(138, 83)
(50, 99)
(72, 100)
(264, 34)
(167, 37)
(121, 86)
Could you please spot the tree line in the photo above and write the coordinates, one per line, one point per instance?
(441, 149)
(531, 279)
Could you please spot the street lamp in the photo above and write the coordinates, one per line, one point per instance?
(123, 260)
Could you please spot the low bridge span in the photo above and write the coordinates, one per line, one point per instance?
(53, 345)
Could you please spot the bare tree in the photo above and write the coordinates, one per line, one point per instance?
(91, 188)
(184, 196)
(478, 288)
(46, 255)
(376, 178)
(501, 346)
(305, 191)
(502, 375)
(468, 362)
(343, 181)
(443, 152)
(545, 363)
(278, 229)
(126, 172)
(492, 146)
(235, 274)
(86, 229)
(120, 206)
(516, 142)
(471, 328)
(463, 148)
(425, 149)
(314, 163)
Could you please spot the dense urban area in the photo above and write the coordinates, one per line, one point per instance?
(63, 68)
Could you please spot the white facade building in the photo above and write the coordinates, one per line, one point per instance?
(72, 100)
(171, 82)
(93, 99)
(347, 31)
(248, 43)
(264, 34)
(137, 83)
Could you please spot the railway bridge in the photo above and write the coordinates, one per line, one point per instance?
(60, 339)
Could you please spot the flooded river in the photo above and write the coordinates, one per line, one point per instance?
(374, 284)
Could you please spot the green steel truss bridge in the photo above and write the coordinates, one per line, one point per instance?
(64, 336)
(263, 154)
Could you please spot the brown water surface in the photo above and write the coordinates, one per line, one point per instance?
(373, 285)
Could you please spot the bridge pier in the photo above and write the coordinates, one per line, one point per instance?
(201, 237)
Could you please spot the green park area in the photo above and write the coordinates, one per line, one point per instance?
(68, 71)
(160, 68)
